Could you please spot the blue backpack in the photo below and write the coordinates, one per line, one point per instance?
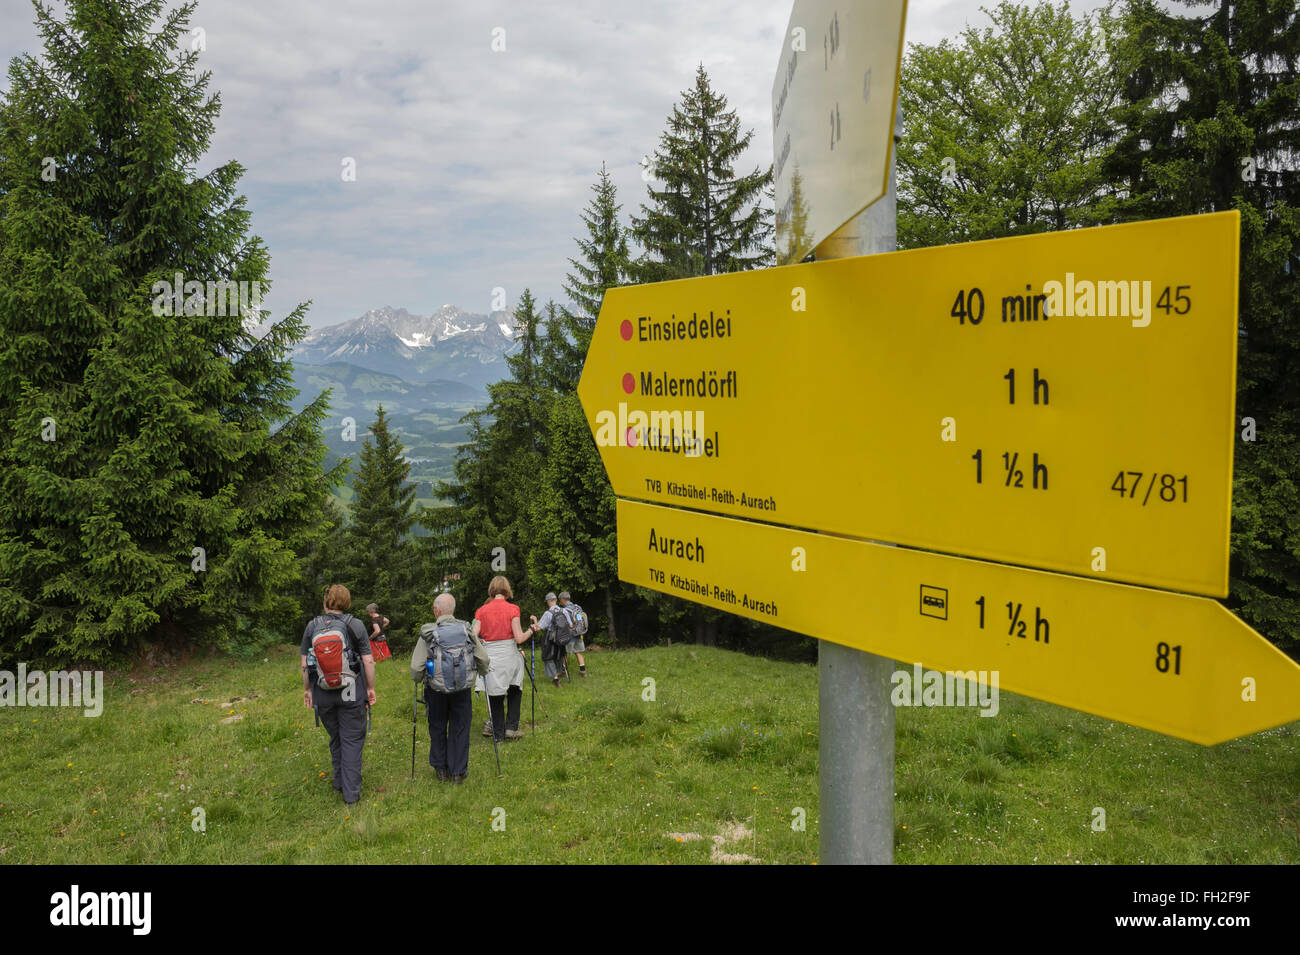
(450, 667)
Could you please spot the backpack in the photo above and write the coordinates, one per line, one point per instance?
(561, 625)
(331, 657)
(450, 666)
(578, 618)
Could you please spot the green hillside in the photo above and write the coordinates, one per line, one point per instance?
(425, 415)
(714, 770)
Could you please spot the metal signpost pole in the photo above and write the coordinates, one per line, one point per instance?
(855, 721)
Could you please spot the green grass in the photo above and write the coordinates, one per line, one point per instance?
(717, 763)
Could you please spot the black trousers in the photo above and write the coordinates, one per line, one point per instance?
(449, 717)
(505, 711)
(345, 721)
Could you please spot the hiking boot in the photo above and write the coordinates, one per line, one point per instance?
(514, 734)
(582, 671)
(443, 775)
(555, 680)
(459, 778)
(487, 728)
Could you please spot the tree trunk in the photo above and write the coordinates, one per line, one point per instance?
(609, 615)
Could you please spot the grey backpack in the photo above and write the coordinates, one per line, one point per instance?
(561, 625)
(450, 667)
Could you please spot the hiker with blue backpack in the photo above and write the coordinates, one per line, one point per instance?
(338, 682)
(578, 618)
(447, 657)
(561, 621)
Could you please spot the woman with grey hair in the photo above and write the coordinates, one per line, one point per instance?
(450, 711)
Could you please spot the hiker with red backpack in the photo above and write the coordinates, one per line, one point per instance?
(338, 682)
(378, 633)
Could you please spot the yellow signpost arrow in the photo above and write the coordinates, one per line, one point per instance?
(1176, 664)
(1061, 401)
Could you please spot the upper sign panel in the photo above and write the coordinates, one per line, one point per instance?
(1061, 401)
(833, 103)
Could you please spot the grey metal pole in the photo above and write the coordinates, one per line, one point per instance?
(855, 714)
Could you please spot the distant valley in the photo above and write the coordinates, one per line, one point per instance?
(427, 372)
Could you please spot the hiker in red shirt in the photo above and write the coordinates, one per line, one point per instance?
(497, 623)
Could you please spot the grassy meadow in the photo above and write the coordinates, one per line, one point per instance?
(714, 770)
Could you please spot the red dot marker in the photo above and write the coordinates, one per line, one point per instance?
(631, 437)
(629, 383)
(626, 330)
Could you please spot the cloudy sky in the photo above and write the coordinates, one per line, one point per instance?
(472, 165)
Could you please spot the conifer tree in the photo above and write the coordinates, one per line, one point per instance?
(381, 559)
(704, 219)
(1214, 125)
(153, 480)
(574, 544)
(792, 233)
(603, 260)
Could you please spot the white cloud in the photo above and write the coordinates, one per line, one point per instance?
(472, 166)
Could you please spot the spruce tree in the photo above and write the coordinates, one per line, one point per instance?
(380, 561)
(153, 480)
(1214, 125)
(705, 219)
(574, 544)
(603, 260)
(792, 234)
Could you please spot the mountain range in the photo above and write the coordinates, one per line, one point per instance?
(449, 345)
(427, 372)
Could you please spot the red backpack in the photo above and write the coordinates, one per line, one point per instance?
(331, 654)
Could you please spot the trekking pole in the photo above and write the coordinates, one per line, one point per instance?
(492, 726)
(415, 702)
(533, 705)
(532, 680)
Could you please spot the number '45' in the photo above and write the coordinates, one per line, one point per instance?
(1181, 304)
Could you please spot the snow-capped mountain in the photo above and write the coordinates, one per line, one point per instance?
(450, 344)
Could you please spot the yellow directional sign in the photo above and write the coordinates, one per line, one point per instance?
(1176, 664)
(833, 102)
(1060, 401)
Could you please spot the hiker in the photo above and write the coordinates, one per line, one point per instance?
(497, 622)
(578, 618)
(336, 688)
(559, 632)
(444, 644)
(378, 633)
